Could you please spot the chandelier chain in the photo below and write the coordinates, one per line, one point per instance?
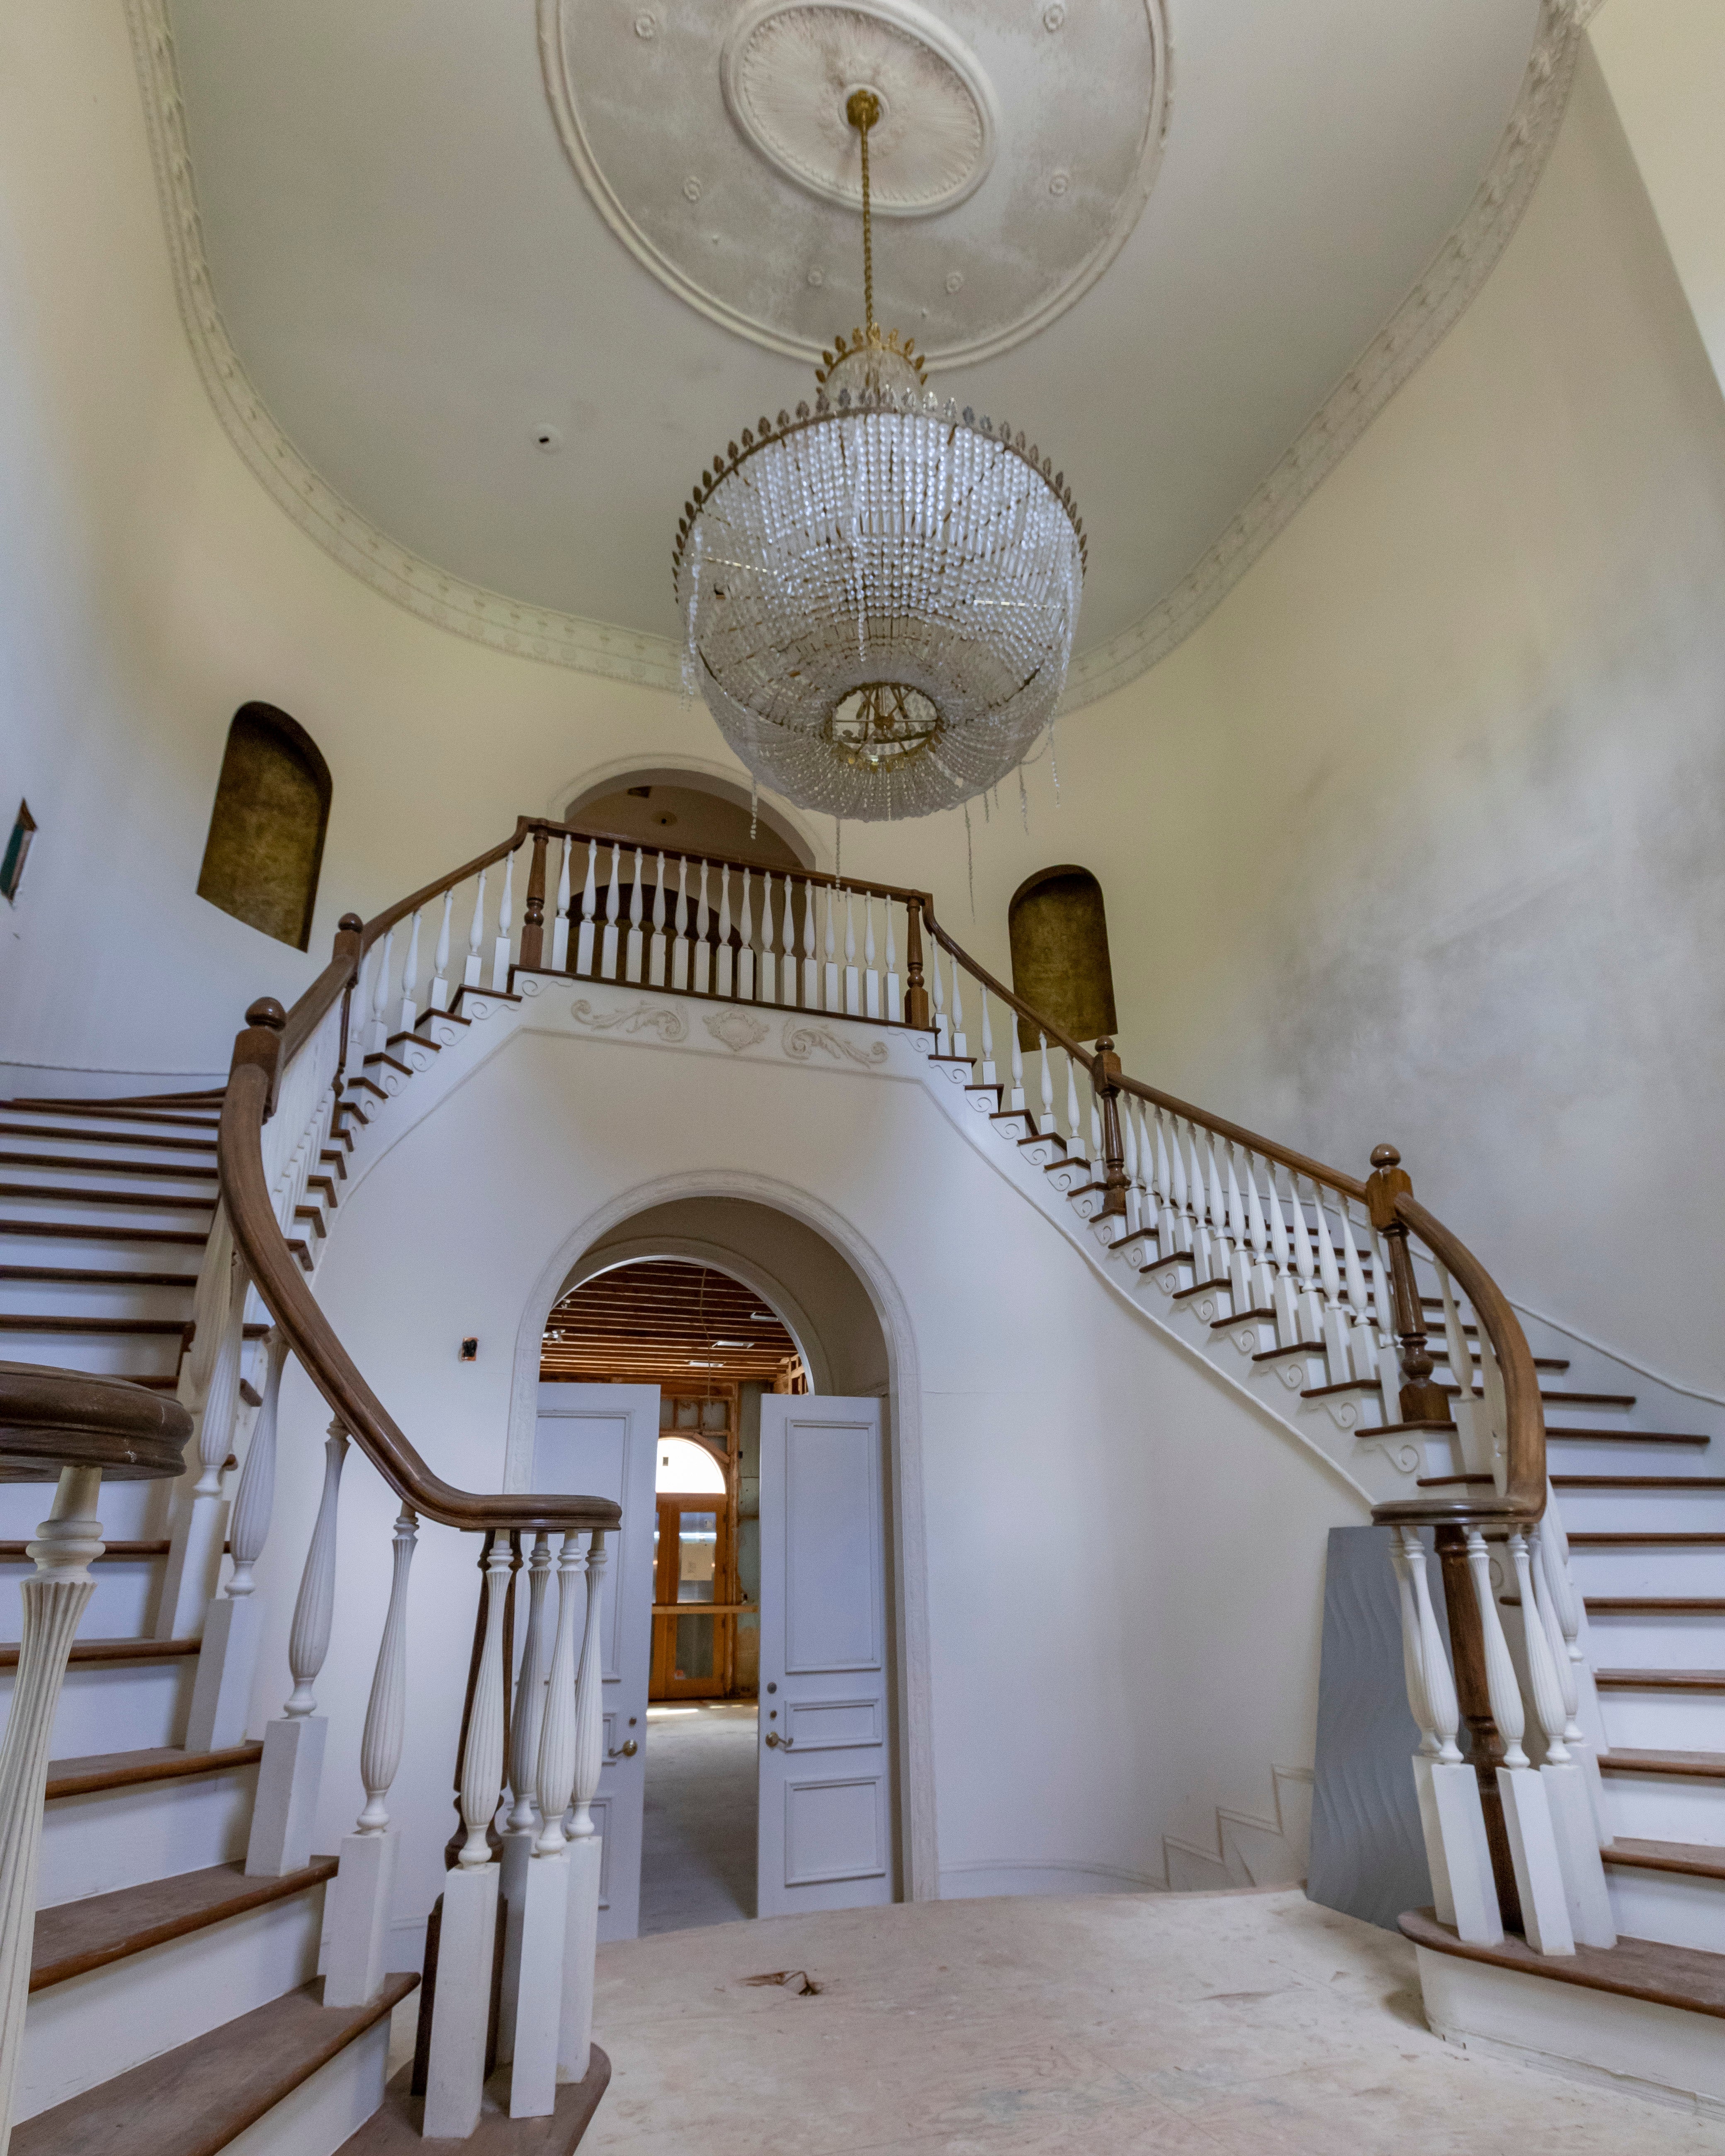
(862, 110)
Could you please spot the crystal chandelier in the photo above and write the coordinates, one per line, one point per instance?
(879, 594)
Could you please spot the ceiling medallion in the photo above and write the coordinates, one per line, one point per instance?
(789, 65)
(880, 594)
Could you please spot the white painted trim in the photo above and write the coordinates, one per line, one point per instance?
(692, 1250)
(1436, 302)
(1115, 1877)
(916, 1764)
(1617, 1355)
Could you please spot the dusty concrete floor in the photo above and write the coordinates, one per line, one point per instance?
(698, 1822)
(1251, 2025)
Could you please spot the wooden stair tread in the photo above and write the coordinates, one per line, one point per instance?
(97, 1276)
(1653, 1606)
(25, 1321)
(1628, 1436)
(159, 1201)
(1299, 1347)
(170, 1170)
(1572, 1399)
(1624, 1538)
(1700, 1859)
(1636, 1481)
(1659, 1680)
(75, 1937)
(107, 1138)
(94, 1772)
(113, 1651)
(1696, 1766)
(194, 2100)
(11, 1552)
(75, 1231)
(394, 2130)
(1634, 1968)
(114, 1113)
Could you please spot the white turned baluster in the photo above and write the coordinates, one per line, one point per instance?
(1284, 1287)
(1569, 1691)
(1501, 1688)
(555, 1778)
(501, 950)
(589, 909)
(560, 923)
(655, 952)
(1335, 1320)
(1476, 1456)
(410, 980)
(611, 915)
(378, 1039)
(1406, 1553)
(1221, 1234)
(1541, 1668)
(309, 1637)
(787, 941)
(853, 976)
(1569, 1771)
(1204, 1237)
(724, 980)
(1015, 1091)
(1185, 1222)
(440, 963)
(1168, 1223)
(986, 1076)
(210, 1387)
(482, 1755)
(871, 979)
(1309, 1307)
(254, 1501)
(1075, 1135)
(1491, 1410)
(680, 940)
(471, 972)
(703, 948)
(1258, 1234)
(1096, 1114)
(1362, 1347)
(811, 970)
(960, 1047)
(529, 1694)
(1046, 1123)
(634, 965)
(831, 946)
(746, 953)
(938, 991)
(1148, 1216)
(1129, 1156)
(54, 1602)
(1435, 1661)
(1241, 1254)
(769, 975)
(893, 1007)
(585, 1851)
(1383, 1325)
(361, 1898)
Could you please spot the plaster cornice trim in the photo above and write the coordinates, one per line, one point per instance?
(1458, 270)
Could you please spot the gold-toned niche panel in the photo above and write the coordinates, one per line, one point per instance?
(1060, 952)
(266, 831)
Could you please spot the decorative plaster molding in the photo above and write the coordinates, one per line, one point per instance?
(670, 1025)
(1430, 311)
(802, 1038)
(736, 1029)
(436, 595)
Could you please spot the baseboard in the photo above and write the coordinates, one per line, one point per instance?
(982, 1876)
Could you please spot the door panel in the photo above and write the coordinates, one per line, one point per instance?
(691, 1652)
(826, 1754)
(599, 1441)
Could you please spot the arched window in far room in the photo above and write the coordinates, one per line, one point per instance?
(1060, 952)
(265, 843)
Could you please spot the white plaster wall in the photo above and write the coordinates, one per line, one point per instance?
(1125, 1564)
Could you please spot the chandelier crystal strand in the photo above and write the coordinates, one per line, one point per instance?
(879, 595)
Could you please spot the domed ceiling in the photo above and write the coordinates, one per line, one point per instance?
(479, 289)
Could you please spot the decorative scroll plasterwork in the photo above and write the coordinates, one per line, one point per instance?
(737, 1029)
(659, 1019)
(1436, 302)
(802, 1036)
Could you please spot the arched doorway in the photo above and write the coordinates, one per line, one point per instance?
(693, 812)
(758, 1526)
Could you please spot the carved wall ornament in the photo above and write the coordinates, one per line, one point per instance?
(659, 1019)
(617, 653)
(736, 1029)
(802, 1036)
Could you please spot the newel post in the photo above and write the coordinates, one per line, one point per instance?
(915, 994)
(1420, 1400)
(533, 925)
(1106, 1080)
(259, 1046)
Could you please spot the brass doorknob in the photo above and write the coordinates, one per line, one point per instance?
(774, 1740)
(626, 1750)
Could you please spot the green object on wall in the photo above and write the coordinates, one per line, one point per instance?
(1059, 933)
(266, 830)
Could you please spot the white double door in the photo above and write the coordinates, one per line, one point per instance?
(825, 1832)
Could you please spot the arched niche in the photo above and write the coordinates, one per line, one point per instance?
(1059, 933)
(266, 830)
(692, 813)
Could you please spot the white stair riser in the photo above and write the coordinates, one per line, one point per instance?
(1602, 1456)
(1655, 1641)
(1666, 1511)
(126, 1837)
(1582, 1414)
(89, 1212)
(93, 1298)
(128, 1512)
(118, 1706)
(1673, 1906)
(94, 2027)
(1665, 1722)
(324, 2111)
(1666, 1807)
(124, 1589)
(116, 1355)
(1644, 1569)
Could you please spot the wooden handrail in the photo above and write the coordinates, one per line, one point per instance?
(1523, 1497)
(276, 1275)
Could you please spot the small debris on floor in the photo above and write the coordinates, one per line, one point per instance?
(800, 1983)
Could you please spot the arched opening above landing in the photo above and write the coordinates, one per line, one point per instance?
(693, 811)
